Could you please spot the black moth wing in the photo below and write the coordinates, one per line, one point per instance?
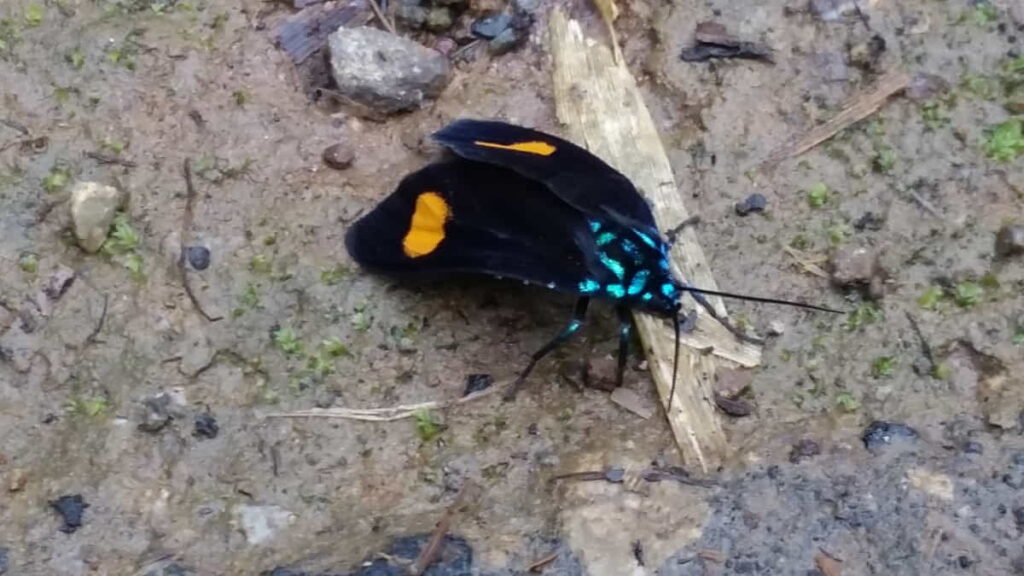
(575, 175)
(499, 223)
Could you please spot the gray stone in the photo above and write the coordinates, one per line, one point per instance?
(857, 266)
(93, 206)
(386, 73)
(261, 523)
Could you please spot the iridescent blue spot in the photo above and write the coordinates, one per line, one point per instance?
(594, 226)
(636, 285)
(588, 287)
(647, 297)
(612, 264)
(669, 290)
(615, 290)
(631, 249)
(604, 238)
(647, 239)
(663, 264)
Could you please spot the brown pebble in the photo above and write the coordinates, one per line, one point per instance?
(730, 382)
(733, 406)
(339, 156)
(1010, 240)
(17, 480)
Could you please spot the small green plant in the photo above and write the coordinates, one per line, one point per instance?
(1005, 141)
(76, 58)
(113, 145)
(818, 195)
(287, 341)
(29, 263)
(934, 115)
(247, 300)
(333, 276)
(866, 313)
(838, 233)
(334, 348)
(427, 425)
(931, 297)
(984, 13)
(122, 245)
(240, 97)
(941, 371)
(56, 180)
(884, 160)
(34, 15)
(847, 403)
(90, 407)
(883, 366)
(361, 321)
(123, 238)
(260, 264)
(967, 294)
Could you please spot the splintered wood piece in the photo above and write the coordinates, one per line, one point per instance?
(600, 105)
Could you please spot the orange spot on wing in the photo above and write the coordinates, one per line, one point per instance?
(537, 147)
(426, 230)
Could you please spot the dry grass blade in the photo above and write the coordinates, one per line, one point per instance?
(859, 108)
(380, 16)
(809, 263)
(390, 414)
(609, 12)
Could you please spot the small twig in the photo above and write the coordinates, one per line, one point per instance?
(432, 550)
(388, 414)
(674, 232)
(104, 158)
(862, 106)
(541, 562)
(926, 205)
(926, 348)
(186, 227)
(380, 16)
(13, 124)
(99, 325)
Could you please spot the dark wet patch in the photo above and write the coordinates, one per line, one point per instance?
(205, 426)
(477, 383)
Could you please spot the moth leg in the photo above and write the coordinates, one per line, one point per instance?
(724, 321)
(625, 328)
(579, 314)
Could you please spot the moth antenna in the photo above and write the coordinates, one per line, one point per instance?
(761, 299)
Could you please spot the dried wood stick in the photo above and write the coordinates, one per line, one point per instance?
(598, 101)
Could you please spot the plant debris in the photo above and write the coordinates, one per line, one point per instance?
(712, 41)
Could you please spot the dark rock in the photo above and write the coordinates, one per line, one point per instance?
(973, 447)
(734, 406)
(477, 382)
(4, 563)
(456, 558)
(923, 87)
(880, 434)
(206, 426)
(338, 156)
(869, 221)
(866, 55)
(384, 72)
(491, 26)
(526, 6)
(71, 509)
(507, 41)
(1010, 240)
(58, 283)
(198, 257)
(156, 413)
(803, 450)
(964, 562)
(752, 203)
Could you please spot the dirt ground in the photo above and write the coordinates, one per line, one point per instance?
(204, 81)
